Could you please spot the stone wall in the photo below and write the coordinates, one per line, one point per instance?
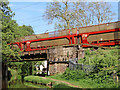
(59, 56)
(57, 68)
(61, 53)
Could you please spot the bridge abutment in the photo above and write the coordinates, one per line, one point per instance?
(57, 68)
(59, 56)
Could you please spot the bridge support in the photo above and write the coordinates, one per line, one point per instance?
(58, 57)
(55, 68)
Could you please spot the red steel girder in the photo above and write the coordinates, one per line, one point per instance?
(69, 37)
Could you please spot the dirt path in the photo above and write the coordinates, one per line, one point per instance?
(62, 82)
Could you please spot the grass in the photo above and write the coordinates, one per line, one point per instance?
(37, 79)
(56, 84)
(83, 83)
(61, 85)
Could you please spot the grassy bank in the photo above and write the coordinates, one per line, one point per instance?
(37, 80)
(83, 83)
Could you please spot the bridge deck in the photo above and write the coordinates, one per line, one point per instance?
(101, 35)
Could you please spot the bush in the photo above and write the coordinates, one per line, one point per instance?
(73, 74)
(19, 77)
(104, 63)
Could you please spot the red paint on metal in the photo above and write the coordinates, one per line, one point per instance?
(71, 37)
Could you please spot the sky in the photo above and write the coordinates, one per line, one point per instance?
(31, 13)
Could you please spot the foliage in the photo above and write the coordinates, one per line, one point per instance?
(22, 68)
(14, 74)
(25, 30)
(8, 30)
(68, 15)
(27, 68)
(19, 77)
(73, 74)
(101, 58)
(11, 32)
(105, 64)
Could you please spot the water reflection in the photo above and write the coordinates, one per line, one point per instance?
(16, 84)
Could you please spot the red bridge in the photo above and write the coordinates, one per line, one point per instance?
(69, 42)
(101, 35)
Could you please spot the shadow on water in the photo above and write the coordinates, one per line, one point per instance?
(17, 84)
(6, 79)
(9, 75)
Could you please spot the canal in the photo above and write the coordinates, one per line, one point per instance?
(15, 80)
(23, 84)
(14, 77)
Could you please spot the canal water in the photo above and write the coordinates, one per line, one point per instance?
(20, 83)
(16, 84)
(15, 81)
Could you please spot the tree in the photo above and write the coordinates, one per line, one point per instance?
(8, 30)
(11, 32)
(100, 12)
(60, 12)
(26, 30)
(76, 14)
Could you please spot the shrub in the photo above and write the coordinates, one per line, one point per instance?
(73, 74)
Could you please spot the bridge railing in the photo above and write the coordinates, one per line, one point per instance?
(73, 36)
(100, 27)
(93, 28)
(59, 33)
(73, 65)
